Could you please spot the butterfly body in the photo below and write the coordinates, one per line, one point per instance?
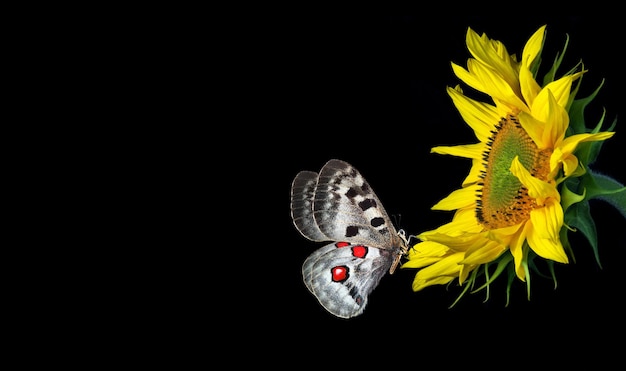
(337, 205)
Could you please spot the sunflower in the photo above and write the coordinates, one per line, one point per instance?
(529, 175)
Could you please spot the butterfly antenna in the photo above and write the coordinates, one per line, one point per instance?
(411, 236)
(397, 218)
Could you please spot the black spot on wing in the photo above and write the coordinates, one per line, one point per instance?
(366, 204)
(377, 222)
(351, 193)
(352, 231)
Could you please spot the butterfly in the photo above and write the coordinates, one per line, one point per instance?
(337, 205)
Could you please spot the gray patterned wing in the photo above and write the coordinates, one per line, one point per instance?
(302, 195)
(342, 275)
(346, 209)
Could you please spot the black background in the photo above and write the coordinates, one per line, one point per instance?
(371, 90)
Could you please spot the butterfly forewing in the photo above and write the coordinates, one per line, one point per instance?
(346, 209)
(302, 195)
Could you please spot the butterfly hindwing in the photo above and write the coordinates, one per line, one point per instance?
(342, 275)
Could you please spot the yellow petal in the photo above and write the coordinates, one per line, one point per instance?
(517, 250)
(466, 269)
(419, 283)
(439, 273)
(474, 151)
(494, 85)
(558, 158)
(463, 222)
(485, 252)
(458, 243)
(543, 237)
(457, 199)
(529, 87)
(425, 253)
(478, 115)
(534, 128)
(537, 188)
(561, 88)
(547, 109)
(475, 172)
(563, 153)
(493, 54)
(547, 221)
(533, 47)
(466, 76)
(569, 144)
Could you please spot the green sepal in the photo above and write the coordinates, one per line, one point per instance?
(570, 197)
(577, 112)
(550, 75)
(502, 261)
(587, 152)
(575, 195)
(607, 189)
(578, 217)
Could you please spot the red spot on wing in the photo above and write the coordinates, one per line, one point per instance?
(342, 244)
(340, 273)
(359, 251)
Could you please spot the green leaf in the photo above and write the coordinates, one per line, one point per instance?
(578, 216)
(550, 75)
(607, 189)
(597, 185)
(563, 236)
(577, 112)
(587, 152)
